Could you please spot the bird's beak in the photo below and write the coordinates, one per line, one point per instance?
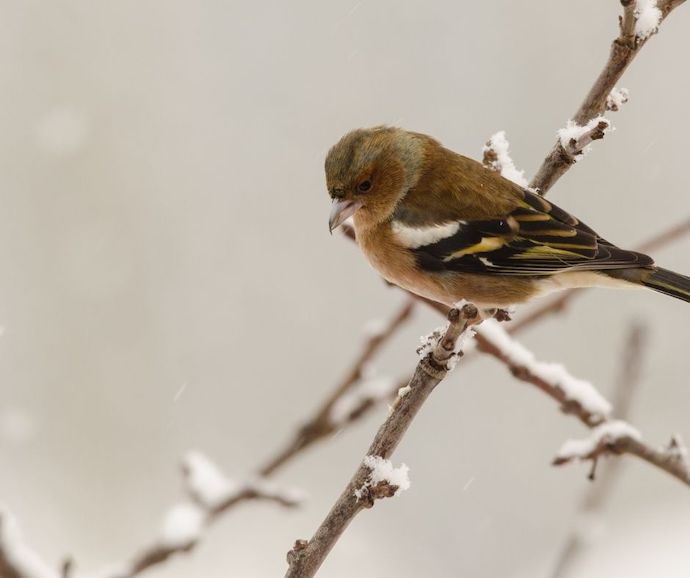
(341, 210)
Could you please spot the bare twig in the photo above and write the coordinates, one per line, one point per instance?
(67, 568)
(623, 50)
(306, 557)
(597, 494)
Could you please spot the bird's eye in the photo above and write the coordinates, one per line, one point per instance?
(364, 186)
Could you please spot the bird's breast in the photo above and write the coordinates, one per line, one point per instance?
(398, 265)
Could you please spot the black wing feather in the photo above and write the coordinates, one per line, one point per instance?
(537, 238)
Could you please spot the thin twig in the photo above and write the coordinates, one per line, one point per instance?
(67, 568)
(597, 494)
(162, 549)
(623, 50)
(321, 424)
(306, 557)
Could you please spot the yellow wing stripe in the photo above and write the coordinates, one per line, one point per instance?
(532, 217)
(545, 252)
(484, 246)
(554, 233)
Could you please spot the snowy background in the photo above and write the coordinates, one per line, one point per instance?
(163, 211)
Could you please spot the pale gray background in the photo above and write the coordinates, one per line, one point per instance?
(162, 210)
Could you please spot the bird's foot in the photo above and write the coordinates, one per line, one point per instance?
(497, 313)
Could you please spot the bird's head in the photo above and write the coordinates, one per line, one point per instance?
(369, 171)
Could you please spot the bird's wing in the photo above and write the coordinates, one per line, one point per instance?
(535, 238)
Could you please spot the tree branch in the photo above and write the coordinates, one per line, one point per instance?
(306, 557)
(623, 50)
(605, 439)
(207, 508)
(666, 460)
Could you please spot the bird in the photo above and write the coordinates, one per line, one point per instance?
(446, 228)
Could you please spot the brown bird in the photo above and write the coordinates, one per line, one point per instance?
(443, 226)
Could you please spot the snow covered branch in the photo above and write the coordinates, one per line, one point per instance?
(376, 477)
(581, 399)
(618, 437)
(640, 20)
(575, 396)
(617, 98)
(17, 560)
(210, 494)
(576, 140)
(496, 156)
(602, 439)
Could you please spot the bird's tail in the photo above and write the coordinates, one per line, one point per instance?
(667, 282)
(657, 278)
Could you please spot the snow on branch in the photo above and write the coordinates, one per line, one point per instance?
(579, 402)
(638, 23)
(497, 157)
(17, 560)
(384, 481)
(573, 393)
(617, 98)
(212, 491)
(579, 398)
(601, 439)
(647, 19)
(182, 526)
(576, 140)
(618, 437)
(640, 20)
(206, 483)
(376, 477)
(430, 341)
